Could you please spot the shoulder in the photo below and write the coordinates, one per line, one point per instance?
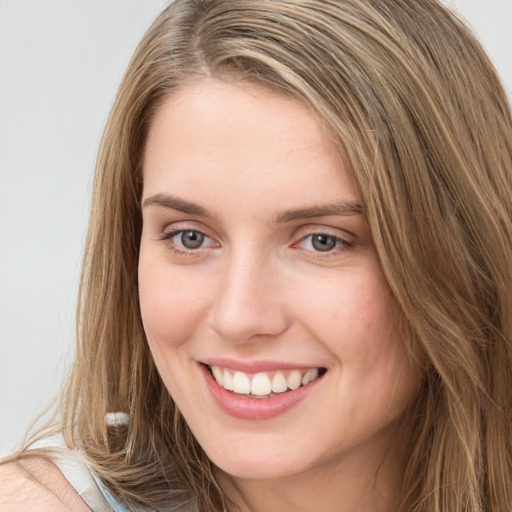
(36, 483)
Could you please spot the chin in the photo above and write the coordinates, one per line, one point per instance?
(257, 463)
(248, 470)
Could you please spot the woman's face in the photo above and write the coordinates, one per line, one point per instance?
(257, 265)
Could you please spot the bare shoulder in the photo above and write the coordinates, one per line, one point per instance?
(34, 483)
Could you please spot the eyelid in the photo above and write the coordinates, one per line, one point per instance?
(169, 235)
(319, 229)
(341, 242)
(173, 228)
(179, 252)
(345, 240)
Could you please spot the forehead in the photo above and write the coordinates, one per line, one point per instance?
(265, 114)
(242, 138)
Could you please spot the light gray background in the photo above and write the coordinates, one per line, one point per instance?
(60, 64)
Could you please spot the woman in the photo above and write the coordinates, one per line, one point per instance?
(295, 293)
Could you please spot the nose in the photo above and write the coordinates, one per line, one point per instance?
(250, 301)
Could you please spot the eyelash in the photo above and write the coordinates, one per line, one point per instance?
(182, 251)
(341, 244)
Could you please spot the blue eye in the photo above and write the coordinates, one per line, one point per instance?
(191, 239)
(321, 242)
(186, 239)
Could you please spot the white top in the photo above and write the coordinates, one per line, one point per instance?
(83, 479)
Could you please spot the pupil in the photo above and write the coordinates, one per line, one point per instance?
(323, 243)
(192, 239)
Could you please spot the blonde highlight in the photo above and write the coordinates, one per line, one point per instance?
(402, 87)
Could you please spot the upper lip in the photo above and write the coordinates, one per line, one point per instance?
(255, 366)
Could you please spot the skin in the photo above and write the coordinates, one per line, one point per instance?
(258, 289)
(34, 483)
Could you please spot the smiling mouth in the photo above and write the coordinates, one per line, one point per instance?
(264, 384)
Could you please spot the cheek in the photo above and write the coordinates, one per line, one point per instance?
(171, 310)
(351, 314)
(170, 305)
(354, 318)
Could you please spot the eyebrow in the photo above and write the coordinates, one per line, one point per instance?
(175, 203)
(343, 208)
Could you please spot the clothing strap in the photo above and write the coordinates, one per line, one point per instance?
(84, 480)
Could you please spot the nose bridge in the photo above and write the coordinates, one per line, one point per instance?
(248, 303)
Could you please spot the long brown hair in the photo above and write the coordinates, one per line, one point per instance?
(418, 111)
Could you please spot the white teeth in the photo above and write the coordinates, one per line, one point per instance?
(228, 381)
(261, 385)
(309, 376)
(219, 375)
(294, 380)
(279, 383)
(241, 383)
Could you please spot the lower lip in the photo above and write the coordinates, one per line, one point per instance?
(255, 409)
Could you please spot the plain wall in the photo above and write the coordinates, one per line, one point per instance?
(61, 62)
